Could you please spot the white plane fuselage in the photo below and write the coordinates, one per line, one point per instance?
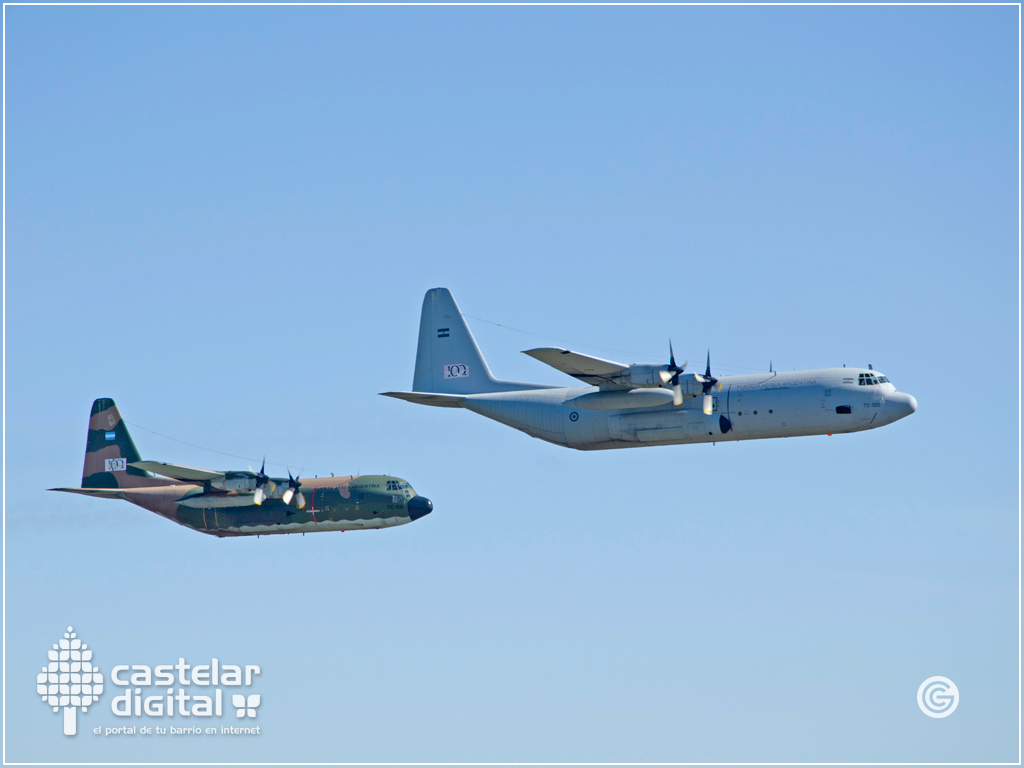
(628, 406)
(755, 406)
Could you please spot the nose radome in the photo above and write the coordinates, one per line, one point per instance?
(902, 404)
(420, 506)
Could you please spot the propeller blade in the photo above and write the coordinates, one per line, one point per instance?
(707, 382)
(258, 497)
(286, 497)
(670, 375)
(300, 500)
(707, 404)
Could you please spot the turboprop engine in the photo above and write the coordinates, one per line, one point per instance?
(641, 376)
(232, 482)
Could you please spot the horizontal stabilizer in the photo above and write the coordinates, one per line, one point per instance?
(100, 493)
(592, 370)
(428, 398)
(177, 472)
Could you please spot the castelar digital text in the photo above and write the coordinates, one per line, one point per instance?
(180, 702)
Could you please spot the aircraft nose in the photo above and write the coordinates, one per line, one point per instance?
(901, 404)
(420, 506)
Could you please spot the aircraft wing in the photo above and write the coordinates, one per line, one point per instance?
(103, 493)
(592, 370)
(177, 472)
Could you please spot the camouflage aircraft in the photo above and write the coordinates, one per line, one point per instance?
(237, 503)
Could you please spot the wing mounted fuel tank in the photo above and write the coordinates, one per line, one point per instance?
(617, 399)
(219, 500)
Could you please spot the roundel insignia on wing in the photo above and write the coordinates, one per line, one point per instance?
(574, 416)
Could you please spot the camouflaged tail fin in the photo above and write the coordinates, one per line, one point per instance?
(109, 450)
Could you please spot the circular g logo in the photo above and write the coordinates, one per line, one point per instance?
(574, 416)
(938, 696)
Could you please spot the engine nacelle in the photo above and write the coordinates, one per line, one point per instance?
(639, 376)
(646, 376)
(690, 385)
(234, 483)
(643, 397)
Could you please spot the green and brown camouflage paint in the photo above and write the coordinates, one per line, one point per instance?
(353, 502)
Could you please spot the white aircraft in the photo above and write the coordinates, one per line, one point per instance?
(626, 406)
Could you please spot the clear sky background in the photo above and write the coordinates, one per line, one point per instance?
(226, 218)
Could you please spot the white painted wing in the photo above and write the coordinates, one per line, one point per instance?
(592, 370)
(175, 471)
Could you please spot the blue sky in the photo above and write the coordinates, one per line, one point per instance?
(225, 218)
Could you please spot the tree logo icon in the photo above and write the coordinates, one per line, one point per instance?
(70, 680)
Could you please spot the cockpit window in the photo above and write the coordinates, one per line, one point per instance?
(867, 379)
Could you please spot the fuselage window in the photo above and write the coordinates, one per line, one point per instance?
(843, 409)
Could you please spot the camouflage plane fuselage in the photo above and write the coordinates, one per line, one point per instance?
(223, 503)
(356, 502)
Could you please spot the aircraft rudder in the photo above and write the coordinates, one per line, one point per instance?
(448, 359)
(109, 449)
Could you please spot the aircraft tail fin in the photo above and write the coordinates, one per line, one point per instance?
(110, 451)
(448, 361)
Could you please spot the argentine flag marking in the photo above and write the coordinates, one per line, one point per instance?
(110, 435)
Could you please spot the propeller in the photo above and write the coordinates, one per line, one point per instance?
(262, 480)
(707, 381)
(293, 492)
(675, 370)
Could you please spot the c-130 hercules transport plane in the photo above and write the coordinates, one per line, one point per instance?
(627, 406)
(238, 503)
